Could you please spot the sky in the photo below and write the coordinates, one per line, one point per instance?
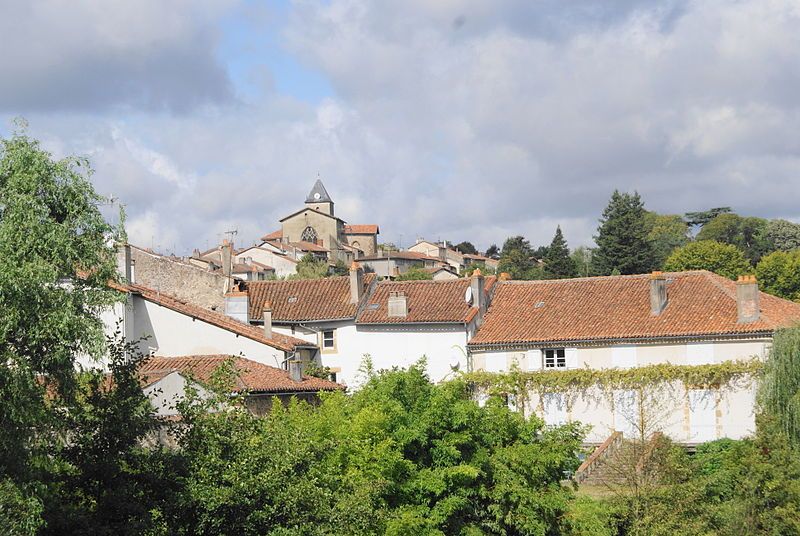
(453, 119)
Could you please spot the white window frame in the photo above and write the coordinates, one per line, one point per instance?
(558, 359)
(323, 344)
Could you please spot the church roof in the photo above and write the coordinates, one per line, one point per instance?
(318, 194)
(293, 214)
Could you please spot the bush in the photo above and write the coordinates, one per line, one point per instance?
(722, 259)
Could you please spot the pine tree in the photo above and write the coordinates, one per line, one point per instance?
(622, 243)
(557, 263)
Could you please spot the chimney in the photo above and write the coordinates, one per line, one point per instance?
(398, 304)
(237, 304)
(128, 268)
(476, 284)
(268, 320)
(747, 299)
(356, 282)
(658, 293)
(504, 276)
(226, 253)
(195, 253)
(295, 370)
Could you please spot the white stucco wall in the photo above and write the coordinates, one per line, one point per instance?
(283, 265)
(685, 416)
(174, 334)
(167, 392)
(389, 346)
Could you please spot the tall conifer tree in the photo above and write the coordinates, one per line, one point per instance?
(622, 243)
(557, 263)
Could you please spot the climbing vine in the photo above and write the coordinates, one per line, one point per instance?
(655, 379)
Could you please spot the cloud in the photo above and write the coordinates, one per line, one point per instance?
(84, 55)
(459, 119)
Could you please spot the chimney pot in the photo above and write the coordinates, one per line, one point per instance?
(296, 370)
(356, 282)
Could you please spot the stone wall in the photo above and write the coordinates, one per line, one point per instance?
(177, 278)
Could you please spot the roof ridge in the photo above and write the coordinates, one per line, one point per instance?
(603, 277)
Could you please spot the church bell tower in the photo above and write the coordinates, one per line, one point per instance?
(318, 199)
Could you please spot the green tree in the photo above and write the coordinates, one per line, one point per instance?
(517, 259)
(414, 274)
(492, 251)
(622, 242)
(582, 257)
(466, 247)
(748, 234)
(784, 235)
(50, 229)
(310, 267)
(666, 232)
(557, 263)
(779, 392)
(779, 273)
(722, 259)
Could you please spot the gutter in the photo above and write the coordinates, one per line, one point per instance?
(603, 342)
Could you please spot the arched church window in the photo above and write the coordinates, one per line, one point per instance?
(309, 235)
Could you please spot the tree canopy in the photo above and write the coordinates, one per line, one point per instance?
(747, 234)
(705, 216)
(783, 235)
(414, 274)
(557, 262)
(517, 259)
(723, 259)
(466, 247)
(666, 232)
(622, 238)
(779, 273)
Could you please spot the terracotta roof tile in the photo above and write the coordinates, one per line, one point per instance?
(618, 307)
(253, 266)
(305, 299)
(281, 342)
(361, 229)
(428, 302)
(274, 235)
(252, 376)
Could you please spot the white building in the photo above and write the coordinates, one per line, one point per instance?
(686, 318)
(394, 323)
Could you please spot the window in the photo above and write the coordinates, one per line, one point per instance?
(332, 377)
(309, 235)
(554, 358)
(328, 340)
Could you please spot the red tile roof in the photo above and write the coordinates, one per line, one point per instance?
(700, 303)
(252, 376)
(361, 229)
(305, 299)
(428, 302)
(253, 266)
(274, 235)
(281, 342)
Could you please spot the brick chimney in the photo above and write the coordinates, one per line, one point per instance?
(747, 299)
(398, 304)
(476, 284)
(658, 293)
(268, 320)
(356, 282)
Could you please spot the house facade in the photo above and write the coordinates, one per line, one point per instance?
(353, 317)
(686, 318)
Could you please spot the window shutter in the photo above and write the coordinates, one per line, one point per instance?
(534, 359)
(571, 355)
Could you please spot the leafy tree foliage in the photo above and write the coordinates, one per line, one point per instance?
(748, 234)
(582, 257)
(401, 456)
(779, 273)
(780, 389)
(783, 235)
(50, 227)
(492, 251)
(414, 274)
(557, 263)
(517, 259)
(722, 259)
(666, 232)
(466, 247)
(310, 267)
(622, 242)
(701, 218)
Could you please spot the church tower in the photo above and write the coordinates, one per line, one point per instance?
(318, 199)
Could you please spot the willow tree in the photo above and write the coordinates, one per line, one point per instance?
(780, 388)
